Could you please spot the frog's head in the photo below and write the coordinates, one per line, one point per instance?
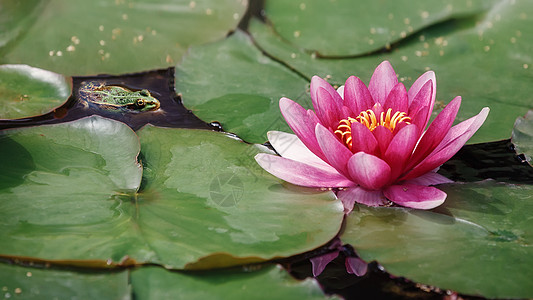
(144, 102)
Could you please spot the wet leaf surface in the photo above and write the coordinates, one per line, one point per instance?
(26, 91)
(151, 282)
(204, 202)
(257, 282)
(235, 84)
(20, 282)
(64, 197)
(478, 242)
(94, 37)
(483, 58)
(359, 28)
(160, 83)
(207, 194)
(15, 18)
(61, 190)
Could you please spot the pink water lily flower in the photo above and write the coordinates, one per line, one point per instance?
(370, 142)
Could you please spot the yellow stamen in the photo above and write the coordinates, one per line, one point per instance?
(369, 119)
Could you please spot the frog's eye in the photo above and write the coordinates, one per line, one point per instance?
(145, 93)
(140, 103)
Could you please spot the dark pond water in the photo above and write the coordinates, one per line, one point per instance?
(160, 83)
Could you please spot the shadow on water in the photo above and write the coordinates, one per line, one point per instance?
(375, 284)
(495, 160)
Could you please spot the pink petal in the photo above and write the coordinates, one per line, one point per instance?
(469, 126)
(383, 136)
(302, 124)
(363, 139)
(356, 95)
(355, 265)
(319, 263)
(382, 82)
(415, 196)
(352, 195)
(399, 127)
(316, 84)
(422, 105)
(397, 99)
(299, 173)
(436, 131)
(430, 178)
(452, 142)
(369, 171)
(378, 109)
(419, 83)
(337, 154)
(289, 146)
(400, 149)
(345, 113)
(326, 109)
(420, 120)
(312, 118)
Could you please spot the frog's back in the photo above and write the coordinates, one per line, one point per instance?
(116, 95)
(113, 97)
(90, 92)
(100, 93)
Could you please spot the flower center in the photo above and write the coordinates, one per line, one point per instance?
(369, 119)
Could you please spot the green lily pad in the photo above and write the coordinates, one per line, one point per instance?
(69, 194)
(485, 59)
(479, 242)
(234, 83)
(206, 196)
(18, 282)
(91, 37)
(359, 28)
(27, 91)
(15, 18)
(61, 187)
(523, 135)
(261, 282)
(266, 283)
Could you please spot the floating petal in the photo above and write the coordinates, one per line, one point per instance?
(355, 265)
(319, 263)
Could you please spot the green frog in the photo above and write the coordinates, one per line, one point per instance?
(114, 97)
